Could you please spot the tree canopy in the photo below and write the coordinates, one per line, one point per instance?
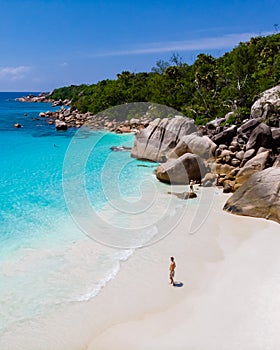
(207, 89)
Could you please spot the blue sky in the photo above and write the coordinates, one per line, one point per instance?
(45, 44)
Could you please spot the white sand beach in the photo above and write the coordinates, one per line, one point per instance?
(230, 296)
(227, 295)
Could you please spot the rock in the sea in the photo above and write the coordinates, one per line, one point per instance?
(259, 196)
(60, 125)
(122, 129)
(42, 97)
(181, 170)
(120, 148)
(161, 136)
(196, 144)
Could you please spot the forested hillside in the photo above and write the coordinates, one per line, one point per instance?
(207, 89)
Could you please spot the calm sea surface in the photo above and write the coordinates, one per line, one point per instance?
(59, 194)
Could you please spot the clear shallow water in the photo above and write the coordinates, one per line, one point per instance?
(47, 258)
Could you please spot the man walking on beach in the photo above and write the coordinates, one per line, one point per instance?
(172, 270)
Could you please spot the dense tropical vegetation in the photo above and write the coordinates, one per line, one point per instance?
(207, 89)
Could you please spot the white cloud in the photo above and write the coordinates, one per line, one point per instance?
(14, 73)
(210, 43)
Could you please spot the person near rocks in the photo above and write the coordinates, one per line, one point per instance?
(218, 177)
(172, 270)
(191, 186)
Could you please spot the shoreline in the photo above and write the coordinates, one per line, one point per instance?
(208, 269)
(138, 309)
(68, 117)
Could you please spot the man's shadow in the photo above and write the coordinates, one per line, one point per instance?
(178, 284)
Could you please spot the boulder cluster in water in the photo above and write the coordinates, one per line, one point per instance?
(69, 118)
(42, 97)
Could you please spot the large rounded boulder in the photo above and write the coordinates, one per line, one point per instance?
(181, 170)
(160, 137)
(255, 164)
(259, 196)
(196, 144)
(260, 137)
(225, 136)
(248, 126)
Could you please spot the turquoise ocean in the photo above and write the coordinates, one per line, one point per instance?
(52, 250)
